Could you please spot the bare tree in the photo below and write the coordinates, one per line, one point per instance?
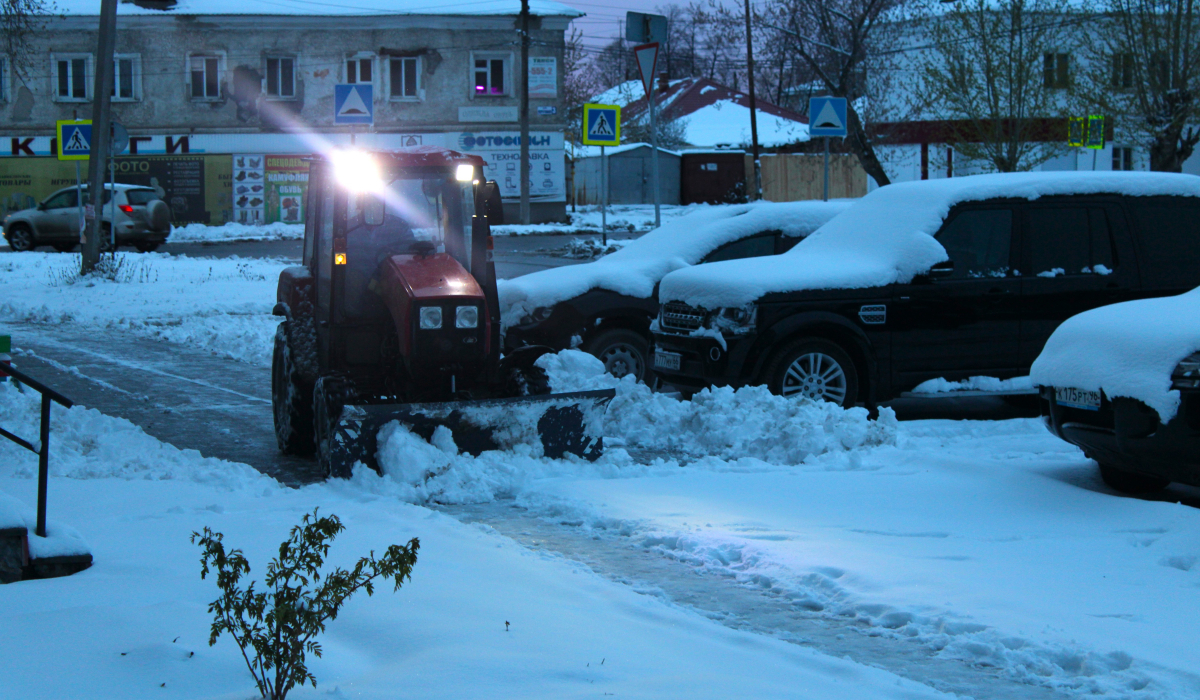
(1146, 72)
(997, 69)
(19, 20)
(839, 40)
(580, 83)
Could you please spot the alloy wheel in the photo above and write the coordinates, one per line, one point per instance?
(817, 376)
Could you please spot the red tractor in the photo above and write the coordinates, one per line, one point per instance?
(394, 316)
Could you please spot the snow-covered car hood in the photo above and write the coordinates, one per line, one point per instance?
(636, 268)
(1127, 349)
(887, 237)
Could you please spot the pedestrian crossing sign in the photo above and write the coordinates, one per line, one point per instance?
(602, 125)
(74, 139)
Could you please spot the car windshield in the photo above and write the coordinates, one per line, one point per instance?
(140, 198)
(419, 214)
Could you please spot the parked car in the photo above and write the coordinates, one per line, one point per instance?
(143, 220)
(949, 279)
(1123, 383)
(607, 306)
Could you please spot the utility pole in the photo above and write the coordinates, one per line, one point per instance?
(101, 120)
(525, 112)
(757, 194)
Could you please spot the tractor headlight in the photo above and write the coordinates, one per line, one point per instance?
(464, 172)
(466, 317)
(431, 317)
(1187, 373)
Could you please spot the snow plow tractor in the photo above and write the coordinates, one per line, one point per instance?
(393, 316)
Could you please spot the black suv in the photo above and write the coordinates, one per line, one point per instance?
(865, 308)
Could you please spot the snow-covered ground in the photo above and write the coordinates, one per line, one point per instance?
(135, 624)
(201, 233)
(221, 305)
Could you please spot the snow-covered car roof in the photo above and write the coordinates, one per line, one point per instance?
(1127, 349)
(636, 268)
(887, 237)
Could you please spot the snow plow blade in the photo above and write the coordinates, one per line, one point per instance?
(563, 424)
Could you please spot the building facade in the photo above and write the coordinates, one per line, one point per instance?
(206, 89)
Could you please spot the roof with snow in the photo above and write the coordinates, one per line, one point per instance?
(887, 237)
(321, 8)
(715, 114)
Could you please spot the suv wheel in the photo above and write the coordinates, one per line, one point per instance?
(291, 400)
(816, 369)
(1129, 482)
(20, 238)
(622, 351)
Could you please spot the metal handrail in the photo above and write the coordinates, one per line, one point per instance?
(42, 449)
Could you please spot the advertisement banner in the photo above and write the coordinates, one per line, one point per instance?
(287, 180)
(543, 77)
(249, 185)
(501, 152)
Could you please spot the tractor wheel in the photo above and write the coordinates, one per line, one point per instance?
(291, 399)
(327, 411)
(527, 381)
(20, 238)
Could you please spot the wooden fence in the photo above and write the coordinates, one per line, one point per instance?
(797, 176)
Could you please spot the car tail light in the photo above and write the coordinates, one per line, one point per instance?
(1187, 373)
(127, 208)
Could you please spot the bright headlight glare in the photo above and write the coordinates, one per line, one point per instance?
(1187, 373)
(431, 317)
(357, 171)
(466, 317)
(465, 173)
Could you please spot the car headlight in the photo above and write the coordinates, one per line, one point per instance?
(538, 315)
(431, 317)
(1187, 373)
(466, 317)
(737, 320)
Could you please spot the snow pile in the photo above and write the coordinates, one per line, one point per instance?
(636, 268)
(60, 540)
(944, 386)
(1128, 349)
(202, 233)
(86, 444)
(887, 237)
(621, 217)
(222, 305)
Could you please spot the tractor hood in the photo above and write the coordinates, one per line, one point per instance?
(408, 282)
(417, 277)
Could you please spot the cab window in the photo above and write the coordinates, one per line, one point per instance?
(979, 242)
(754, 247)
(66, 198)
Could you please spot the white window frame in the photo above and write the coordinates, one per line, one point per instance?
(55, 61)
(420, 87)
(135, 79)
(358, 58)
(220, 57)
(267, 76)
(1118, 153)
(505, 56)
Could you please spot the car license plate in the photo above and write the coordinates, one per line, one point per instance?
(666, 360)
(1077, 398)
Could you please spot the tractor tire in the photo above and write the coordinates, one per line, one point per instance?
(65, 247)
(623, 352)
(20, 238)
(328, 396)
(291, 400)
(814, 368)
(527, 381)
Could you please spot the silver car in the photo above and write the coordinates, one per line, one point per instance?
(143, 220)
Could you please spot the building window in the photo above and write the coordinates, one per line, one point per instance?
(206, 77)
(491, 73)
(358, 70)
(281, 77)
(404, 78)
(1055, 70)
(1122, 158)
(71, 76)
(127, 72)
(1122, 70)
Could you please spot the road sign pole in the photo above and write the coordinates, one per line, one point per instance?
(101, 135)
(826, 168)
(654, 157)
(603, 197)
(79, 206)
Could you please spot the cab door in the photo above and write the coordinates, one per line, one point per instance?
(1070, 265)
(965, 322)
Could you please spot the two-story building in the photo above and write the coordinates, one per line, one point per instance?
(223, 98)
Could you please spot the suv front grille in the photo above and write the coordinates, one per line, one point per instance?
(677, 316)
